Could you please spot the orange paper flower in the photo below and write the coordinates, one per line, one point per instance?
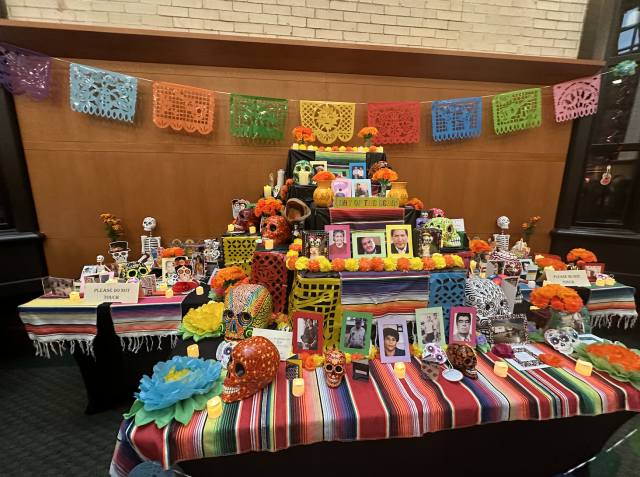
(558, 297)
(337, 264)
(296, 247)
(479, 246)
(544, 262)
(448, 260)
(303, 134)
(429, 263)
(324, 176)
(291, 263)
(404, 265)
(377, 264)
(364, 264)
(581, 254)
(385, 175)
(617, 354)
(268, 206)
(356, 357)
(551, 359)
(313, 265)
(417, 204)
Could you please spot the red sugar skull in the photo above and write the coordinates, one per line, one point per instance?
(463, 358)
(246, 218)
(277, 229)
(335, 365)
(253, 364)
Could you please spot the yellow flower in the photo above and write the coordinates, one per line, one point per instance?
(204, 319)
(416, 263)
(298, 241)
(457, 261)
(390, 264)
(351, 264)
(440, 261)
(415, 350)
(292, 253)
(301, 263)
(325, 265)
(348, 356)
(318, 359)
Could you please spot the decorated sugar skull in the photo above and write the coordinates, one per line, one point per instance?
(119, 251)
(433, 213)
(487, 297)
(183, 269)
(450, 237)
(135, 270)
(574, 337)
(223, 353)
(463, 358)
(246, 307)
(299, 167)
(246, 218)
(253, 364)
(277, 229)
(149, 223)
(335, 366)
(559, 340)
(432, 357)
(237, 205)
(512, 264)
(503, 222)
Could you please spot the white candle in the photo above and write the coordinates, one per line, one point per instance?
(267, 191)
(280, 178)
(297, 388)
(304, 178)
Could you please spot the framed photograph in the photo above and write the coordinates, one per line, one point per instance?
(462, 325)
(428, 242)
(316, 243)
(526, 264)
(592, 270)
(368, 244)
(421, 222)
(526, 358)
(360, 187)
(430, 324)
(89, 269)
(498, 267)
(94, 278)
(168, 268)
(399, 241)
(341, 187)
(316, 167)
(509, 329)
(355, 334)
(358, 170)
(341, 172)
(307, 330)
(148, 284)
(339, 241)
(54, 287)
(394, 340)
(198, 264)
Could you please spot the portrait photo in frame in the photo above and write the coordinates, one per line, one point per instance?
(429, 241)
(509, 329)
(316, 244)
(498, 267)
(307, 332)
(54, 287)
(198, 264)
(358, 170)
(317, 167)
(430, 326)
(341, 187)
(399, 241)
(368, 244)
(168, 267)
(394, 340)
(355, 333)
(592, 270)
(462, 325)
(360, 187)
(341, 172)
(339, 241)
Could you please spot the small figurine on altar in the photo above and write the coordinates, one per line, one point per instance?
(101, 267)
(120, 251)
(502, 239)
(184, 272)
(237, 205)
(150, 244)
(521, 249)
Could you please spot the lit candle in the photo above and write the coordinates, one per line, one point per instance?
(252, 230)
(298, 387)
(268, 244)
(112, 280)
(230, 228)
(584, 367)
(549, 269)
(214, 407)
(545, 283)
(193, 351)
(303, 178)
(501, 369)
(168, 294)
(267, 191)
(199, 291)
(163, 286)
(399, 370)
(74, 296)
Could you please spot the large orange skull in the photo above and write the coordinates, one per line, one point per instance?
(277, 229)
(253, 364)
(335, 365)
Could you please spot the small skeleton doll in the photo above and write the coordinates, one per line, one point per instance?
(502, 239)
(150, 244)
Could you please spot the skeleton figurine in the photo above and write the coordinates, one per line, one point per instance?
(119, 251)
(212, 250)
(314, 247)
(101, 266)
(427, 239)
(150, 244)
(501, 238)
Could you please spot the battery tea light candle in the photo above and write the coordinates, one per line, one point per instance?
(297, 388)
(501, 369)
(214, 407)
(74, 296)
(584, 367)
(168, 294)
(399, 370)
(252, 230)
(163, 287)
(199, 291)
(193, 351)
(268, 244)
(230, 228)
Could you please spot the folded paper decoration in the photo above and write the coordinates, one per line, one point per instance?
(256, 117)
(102, 92)
(456, 118)
(397, 123)
(182, 107)
(23, 71)
(329, 121)
(576, 98)
(517, 110)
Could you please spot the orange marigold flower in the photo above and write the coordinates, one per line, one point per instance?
(558, 297)
(324, 176)
(551, 359)
(313, 265)
(429, 263)
(479, 246)
(377, 264)
(385, 174)
(417, 204)
(309, 363)
(404, 265)
(268, 206)
(581, 254)
(449, 262)
(337, 264)
(364, 264)
(291, 263)
(368, 131)
(356, 357)
(617, 354)
(544, 262)
(296, 247)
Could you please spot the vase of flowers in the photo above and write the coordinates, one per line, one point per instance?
(561, 300)
(302, 136)
(529, 227)
(323, 195)
(368, 133)
(385, 177)
(112, 225)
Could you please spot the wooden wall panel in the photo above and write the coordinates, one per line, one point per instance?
(81, 165)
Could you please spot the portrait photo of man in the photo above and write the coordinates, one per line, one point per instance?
(393, 344)
(369, 247)
(357, 333)
(462, 326)
(399, 241)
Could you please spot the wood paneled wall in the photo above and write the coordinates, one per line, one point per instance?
(82, 165)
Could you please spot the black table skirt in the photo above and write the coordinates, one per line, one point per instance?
(114, 375)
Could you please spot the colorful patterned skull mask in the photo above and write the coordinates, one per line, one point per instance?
(574, 337)
(463, 358)
(277, 229)
(253, 364)
(559, 340)
(135, 270)
(246, 307)
(335, 366)
(487, 297)
(301, 166)
(450, 237)
(223, 353)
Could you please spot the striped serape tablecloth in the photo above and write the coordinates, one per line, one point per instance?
(151, 317)
(608, 302)
(386, 407)
(51, 321)
(367, 219)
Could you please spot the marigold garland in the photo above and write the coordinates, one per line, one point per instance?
(416, 264)
(457, 261)
(617, 354)
(313, 266)
(448, 261)
(291, 263)
(544, 262)
(390, 265)
(325, 265)
(302, 263)
(377, 264)
(417, 204)
(581, 254)
(324, 176)
(558, 297)
(386, 175)
(268, 206)
(403, 264)
(364, 264)
(285, 189)
(428, 263)
(440, 261)
(479, 246)
(351, 265)
(172, 252)
(229, 274)
(338, 264)
(292, 253)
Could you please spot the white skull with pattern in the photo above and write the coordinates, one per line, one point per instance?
(559, 340)
(487, 297)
